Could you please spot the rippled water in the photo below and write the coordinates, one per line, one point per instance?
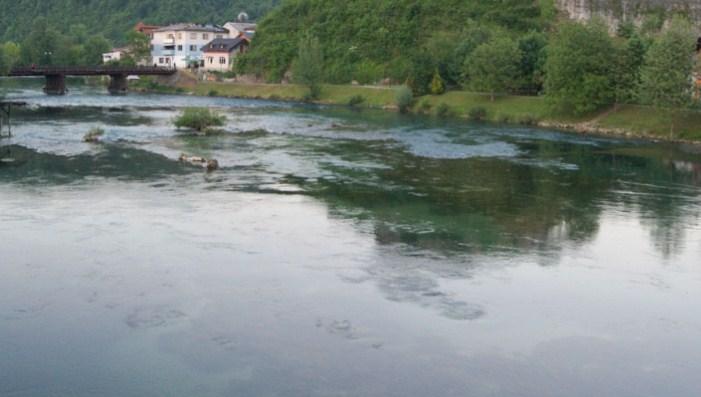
(340, 253)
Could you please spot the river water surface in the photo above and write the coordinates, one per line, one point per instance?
(340, 253)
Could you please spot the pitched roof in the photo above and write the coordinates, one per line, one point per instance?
(242, 26)
(191, 27)
(224, 45)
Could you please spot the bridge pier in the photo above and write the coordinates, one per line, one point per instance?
(55, 84)
(118, 84)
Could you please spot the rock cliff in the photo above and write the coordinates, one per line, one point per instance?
(615, 11)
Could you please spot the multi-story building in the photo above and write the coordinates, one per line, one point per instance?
(181, 45)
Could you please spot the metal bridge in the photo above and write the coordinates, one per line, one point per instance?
(56, 75)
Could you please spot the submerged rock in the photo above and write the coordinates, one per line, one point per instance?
(209, 164)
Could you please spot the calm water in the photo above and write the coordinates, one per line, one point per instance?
(341, 254)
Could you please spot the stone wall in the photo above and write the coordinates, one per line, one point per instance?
(615, 11)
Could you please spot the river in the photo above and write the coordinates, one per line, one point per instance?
(340, 253)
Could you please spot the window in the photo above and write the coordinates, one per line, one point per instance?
(193, 36)
(222, 60)
(180, 47)
(171, 37)
(220, 36)
(151, 47)
(160, 60)
(180, 36)
(193, 48)
(211, 60)
(205, 36)
(168, 60)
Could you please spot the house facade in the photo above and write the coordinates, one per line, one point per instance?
(181, 45)
(220, 54)
(114, 55)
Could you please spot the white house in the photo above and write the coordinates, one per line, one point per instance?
(220, 54)
(181, 45)
(114, 55)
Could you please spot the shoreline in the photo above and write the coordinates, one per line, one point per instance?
(680, 126)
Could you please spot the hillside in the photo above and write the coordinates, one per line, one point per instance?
(114, 17)
(364, 39)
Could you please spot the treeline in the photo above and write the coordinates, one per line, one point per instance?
(47, 45)
(370, 40)
(496, 47)
(112, 18)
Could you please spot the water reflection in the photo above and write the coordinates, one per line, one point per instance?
(342, 253)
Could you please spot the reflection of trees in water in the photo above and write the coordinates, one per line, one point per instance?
(485, 205)
(110, 161)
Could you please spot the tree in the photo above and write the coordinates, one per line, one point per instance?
(139, 46)
(629, 59)
(308, 67)
(669, 64)
(4, 64)
(533, 55)
(93, 49)
(579, 68)
(494, 66)
(437, 85)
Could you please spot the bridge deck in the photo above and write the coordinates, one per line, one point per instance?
(90, 71)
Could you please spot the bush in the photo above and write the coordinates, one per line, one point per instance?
(94, 135)
(213, 93)
(404, 98)
(437, 84)
(199, 119)
(356, 100)
(424, 106)
(443, 110)
(477, 113)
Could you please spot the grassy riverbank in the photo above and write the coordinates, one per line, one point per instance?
(626, 120)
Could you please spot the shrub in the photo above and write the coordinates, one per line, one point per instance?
(424, 106)
(356, 100)
(443, 110)
(404, 98)
(199, 119)
(437, 84)
(477, 113)
(93, 136)
(213, 93)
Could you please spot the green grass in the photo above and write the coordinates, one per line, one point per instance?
(631, 120)
(661, 123)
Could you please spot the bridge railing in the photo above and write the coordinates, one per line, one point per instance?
(90, 70)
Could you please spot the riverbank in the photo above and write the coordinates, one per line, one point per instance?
(632, 121)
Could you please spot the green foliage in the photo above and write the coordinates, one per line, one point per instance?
(443, 110)
(437, 84)
(402, 38)
(533, 55)
(199, 119)
(494, 66)
(477, 113)
(112, 18)
(308, 67)
(404, 98)
(139, 46)
(666, 74)
(46, 45)
(356, 100)
(580, 69)
(630, 55)
(94, 135)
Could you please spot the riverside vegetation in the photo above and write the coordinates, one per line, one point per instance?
(513, 61)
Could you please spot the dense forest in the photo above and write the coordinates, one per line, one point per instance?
(112, 18)
(367, 39)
